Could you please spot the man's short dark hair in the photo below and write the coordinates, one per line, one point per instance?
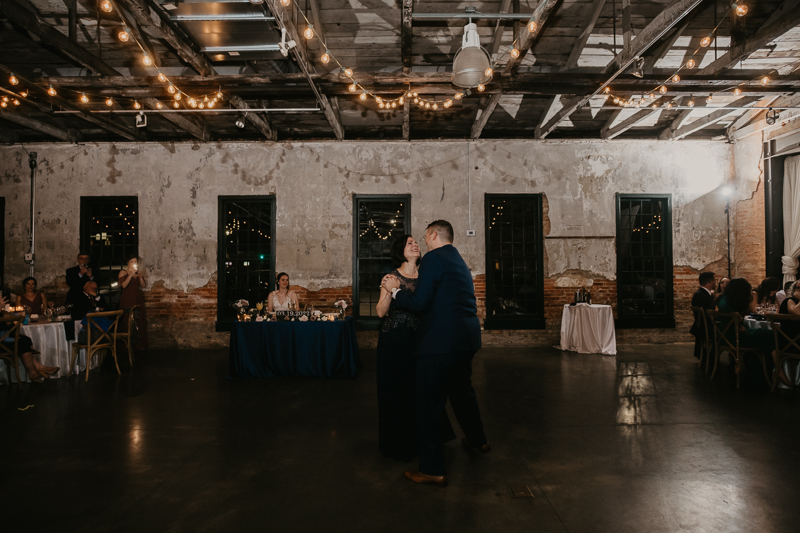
(706, 277)
(443, 228)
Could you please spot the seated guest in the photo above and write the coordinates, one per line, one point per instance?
(790, 306)
(9, 296)
(281, 299)
(31, 298)
(721, 289)
(36, 370)
(89, 301)
(738, 298)
(780, 296)
(77, 277)
(764, 294)
(704, 297)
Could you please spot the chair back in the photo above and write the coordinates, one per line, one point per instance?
(7, 349)
(726, 329)
(701, 317)
(787, 334)
(96, 336)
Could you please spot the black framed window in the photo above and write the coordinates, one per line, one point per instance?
(514, 261)
(245, 252)
(377, 222)
(110, 235)
(644, 261)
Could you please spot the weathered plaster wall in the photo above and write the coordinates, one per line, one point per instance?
(747, 218)
(178, 186)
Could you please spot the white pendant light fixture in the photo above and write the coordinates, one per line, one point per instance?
(472, 65)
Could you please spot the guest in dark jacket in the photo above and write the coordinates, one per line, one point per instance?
(90, 301)
(77, 277)
(704, 297)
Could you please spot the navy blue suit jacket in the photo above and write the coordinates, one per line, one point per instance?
(445, 300)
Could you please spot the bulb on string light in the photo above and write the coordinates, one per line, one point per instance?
(192, 102)
(481, 88)
(514, 52)
(84, 98)
(363, 96)
(211, 103)
(171, 89)
(435, 105)
(676, 78)
(161, 77)
(616, 100)
(176, 105)
(326, 57)
(416, 100)
(669, 105)
(106, 6)
(394, 104)
(177, 96)
(380, 104)
(741, 9)
(3, 104)
(705, 41)
(531, 26)
(16, 102)
(219, 95)
(710, 98)
(309, 32)
(109, 101)
(488, 72)
(286, 3)
(124, 35)
(663, 89)
(690, 103)
(448, 103)
(651, 96)
(691, 63)
(737, 91)
(24, 93)
(147, 60)
(352, 88)
(607, 90)
(427, 105)
(136, 105)
(51, 91)
(159, 105)
(765, 80)
(458, 96)
(13, 80)
(654, 106)
(348, 72)
(201, 105)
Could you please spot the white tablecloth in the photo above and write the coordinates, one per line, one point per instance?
(790, 368)
(51, 341)
(588, 329)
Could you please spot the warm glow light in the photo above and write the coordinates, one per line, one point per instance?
(669, 105)
(211, 104)
(13, 80)
(123, 35)
(691, 63)
(481, 88)
(607, 89)
(690, 103)
(348, 72)
(458, 96)
(765, 80)
(363, 96)
(161, 77)
(286, 3)
(488, 72)
(3, 104)
(435, 105)
(171, 89)
(705, 41)
(416, 100)
(381, 104)
(84, 98)
(147, 60)
(654, 106)
(737, 91)
(651, 96)
(16, 102)
(531, 26)
(51, 91)
(176, 105)
(109, 101)
(219, 95)
(616, 100)
(710, 98)
(741, 10)
(177, 96)
(159, 105)
(24, 93)
(309, 32)
(514, 53)
(427, 105)
(106, 6)
(192, 102)
(676, 78)
(448, 103)
(352, 88)
(662, 89)
(326, 57)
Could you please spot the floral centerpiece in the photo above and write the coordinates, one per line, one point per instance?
(340, 305)
(241, 308)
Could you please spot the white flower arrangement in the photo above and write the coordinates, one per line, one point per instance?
(304, 318)
(242, 304)
(341, 304)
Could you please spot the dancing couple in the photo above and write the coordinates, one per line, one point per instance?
(429, 336)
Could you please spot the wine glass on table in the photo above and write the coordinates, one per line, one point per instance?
(260, 307)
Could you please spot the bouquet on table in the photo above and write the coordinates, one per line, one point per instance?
(241, 308)
(340, 305)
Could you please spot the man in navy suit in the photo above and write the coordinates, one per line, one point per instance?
(449, 336)
(704, 297)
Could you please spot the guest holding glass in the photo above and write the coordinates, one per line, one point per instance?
(32, 299)
(764, 294)
(282, 299)
(132, 281)
(396, 367)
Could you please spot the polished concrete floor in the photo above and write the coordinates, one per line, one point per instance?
(641, 443)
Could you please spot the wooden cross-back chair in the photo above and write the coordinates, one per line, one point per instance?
(707, 345)
(787, 343)
(8, 350)
(131, 334)
(98, 339)
(726, 339)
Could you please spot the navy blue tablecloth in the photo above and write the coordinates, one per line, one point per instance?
(313, 349)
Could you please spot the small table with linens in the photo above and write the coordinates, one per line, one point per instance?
(588, 328)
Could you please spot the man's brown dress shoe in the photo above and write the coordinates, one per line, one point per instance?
(425, 479)
(486, 448)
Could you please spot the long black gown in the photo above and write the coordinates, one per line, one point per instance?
(396, 371)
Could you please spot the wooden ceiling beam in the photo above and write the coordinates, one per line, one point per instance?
(586, 32)
(526, 38)
(68, 135)
(406, 35)
(133, 25)
(499, 29)
(627, 31)
(707, 120)
(774, 27)
(661, 51)
(259, 120)
(612, 132)
(284, 20)
(759, 107)
(676, 124)
(484, 112)
(147, 14)
(659, 26)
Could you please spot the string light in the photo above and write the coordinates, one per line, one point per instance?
(710, 98)
(514, 52)
(286, 3)
(326, 57)
(348, 72)
(765, 80)
(481, 88)
(13, 80)
(531, 26)
(147, 60)
(24, 93)
(106, 6)
(192, 102)
(669, 105)
(651, 96)
(741, 9)
(176, 105)
(16, 102)
(159, 105)
(705, 41)
(161, 77)
(676, 78)
(109, 101)
(171, 89)
(177, 96)
(458, 96)
(352, 88)
(84, 98)
(51, 91)
(123, 35)
(690, 103)
(363, 96)
(488, 72)
(309, 32)
(737, 91)
(691, 63)
(662, 89)
(3, 104)
(136, 105)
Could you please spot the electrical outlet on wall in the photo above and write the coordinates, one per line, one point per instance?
(470, 233)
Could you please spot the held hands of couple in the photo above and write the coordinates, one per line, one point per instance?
(390, 282)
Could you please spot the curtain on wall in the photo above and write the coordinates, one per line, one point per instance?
(791, 218)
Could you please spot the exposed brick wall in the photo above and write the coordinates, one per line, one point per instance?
(749, 230)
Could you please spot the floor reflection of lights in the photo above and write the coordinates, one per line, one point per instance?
(636, 394)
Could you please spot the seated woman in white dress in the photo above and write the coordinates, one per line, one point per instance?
(281, 299)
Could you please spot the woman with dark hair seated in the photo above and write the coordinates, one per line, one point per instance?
(765, 292)
(36, 370)
(282, 299)
(396, 368)
(31, 298)
(739, 298)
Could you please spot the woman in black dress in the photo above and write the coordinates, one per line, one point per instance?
(396, 369)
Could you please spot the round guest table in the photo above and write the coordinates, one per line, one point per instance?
(588, 329)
